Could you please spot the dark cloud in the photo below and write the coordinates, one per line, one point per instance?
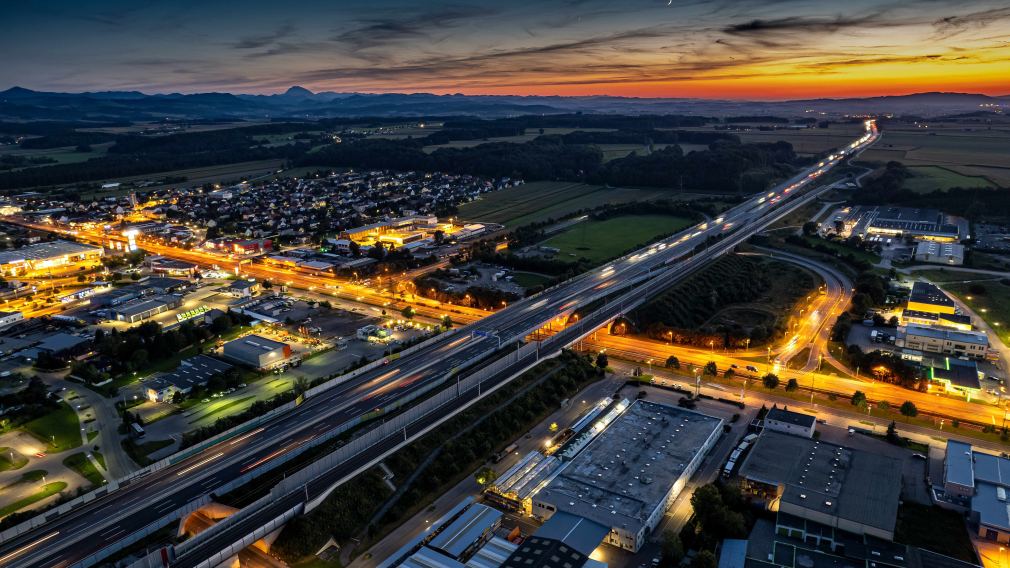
(381, 31)
(804, 24)
(264, 40)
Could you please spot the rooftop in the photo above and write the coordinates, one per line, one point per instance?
(580, 533)
(960, 373)
(850, 484)
(926, 293)
(465, 529)
(959, 467)
(42, 251)
(625, 473)
(976, 337)
(252, 345)
(785, 415)
(193, 371)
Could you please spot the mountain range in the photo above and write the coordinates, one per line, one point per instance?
(19, 103)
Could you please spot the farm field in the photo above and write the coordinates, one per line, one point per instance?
(526, 136)
(539, 201)
(971, 153)
(197, 176)
(600, 241)
(62, 155)
(930, 178)
(530, 279)
(805, 140)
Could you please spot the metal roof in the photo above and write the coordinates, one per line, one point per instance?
(43, 251)
(251, 346)
(466, 529)
(959, 467)
(428, 558)
(577, 532)
(786, 415)
(976, 337)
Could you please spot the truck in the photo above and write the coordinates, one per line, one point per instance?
(501, 455)
(136, 430)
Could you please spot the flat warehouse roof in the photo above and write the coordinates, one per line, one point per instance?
(465, 529)
(193, 371)
(858, 486)
(252, 345)
(42, 251)
(626, 472)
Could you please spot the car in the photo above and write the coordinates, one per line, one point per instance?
(734, 366)
(241, 385)
(919, 457)
(752, 368)
(205, 400)
(40, 454)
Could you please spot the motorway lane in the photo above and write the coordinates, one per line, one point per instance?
(216, 465)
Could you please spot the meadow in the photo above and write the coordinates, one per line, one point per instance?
(963, 150)
(600, 241)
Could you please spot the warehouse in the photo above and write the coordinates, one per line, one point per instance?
(192, 372)
(940, 253)
(944, 341)
(257, 351)
(141, 309)
(628, 476)
(927, 298)
(846, 489)
(515, 488)
(46, 256)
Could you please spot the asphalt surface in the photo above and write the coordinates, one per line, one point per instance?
(66, 539)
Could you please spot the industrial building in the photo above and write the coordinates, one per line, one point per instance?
(141, 309)
(257, 351)
(564, 541)
(927, 298)
(956, 375)
(900, 222)
(627, 476)
(929, 319)
(939, 253)
(944, 341)
(192, 372)
(982, 481)
(8, 319)
(789, 422)
(46, 256)
(243, 288)
(832, 486)
(515, 488)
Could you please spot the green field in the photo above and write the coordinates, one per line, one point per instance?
(930, 178)
(80, 463)
(530, 279)
(63, 155)
(995, 302)
(542, 200)
(59, 429)
(49, 490)
(600, 241)
(972, 153)
(843, 249)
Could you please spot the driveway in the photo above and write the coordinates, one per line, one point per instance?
(106, 422)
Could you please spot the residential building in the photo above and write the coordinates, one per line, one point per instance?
(257, 351)
(789, 422)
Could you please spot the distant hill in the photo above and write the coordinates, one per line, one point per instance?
(18, 103)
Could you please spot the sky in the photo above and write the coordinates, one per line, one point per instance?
(726, 49)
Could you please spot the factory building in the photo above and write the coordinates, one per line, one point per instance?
(900, 222)
(927, 298)
(951, 254)
(814, 483)
(927, 319)
(627, 476)
(141, 309)
(192, 372)
(944, 341)
(46, 256)
(257, 351)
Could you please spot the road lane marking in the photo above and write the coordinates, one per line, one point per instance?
(28, 547)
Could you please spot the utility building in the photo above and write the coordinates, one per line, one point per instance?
(628, 476)
(257, 351)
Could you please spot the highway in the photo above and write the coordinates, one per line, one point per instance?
(67, 539)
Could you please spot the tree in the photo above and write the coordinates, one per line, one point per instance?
(892, 434)
(704, 559)
(711, 369)
(810, 228)
(858, 399)
(178, 397)
(602, 361)
(407, 312)
(673, 548)
(485, 476)
(883, 406)
(792, 385)
(447, 321)
(908, 409)
(355, 249)
(728, 373)
(672, 362)
(770, 380)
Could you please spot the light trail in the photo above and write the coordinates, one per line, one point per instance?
(28, 547)
(200, 463)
